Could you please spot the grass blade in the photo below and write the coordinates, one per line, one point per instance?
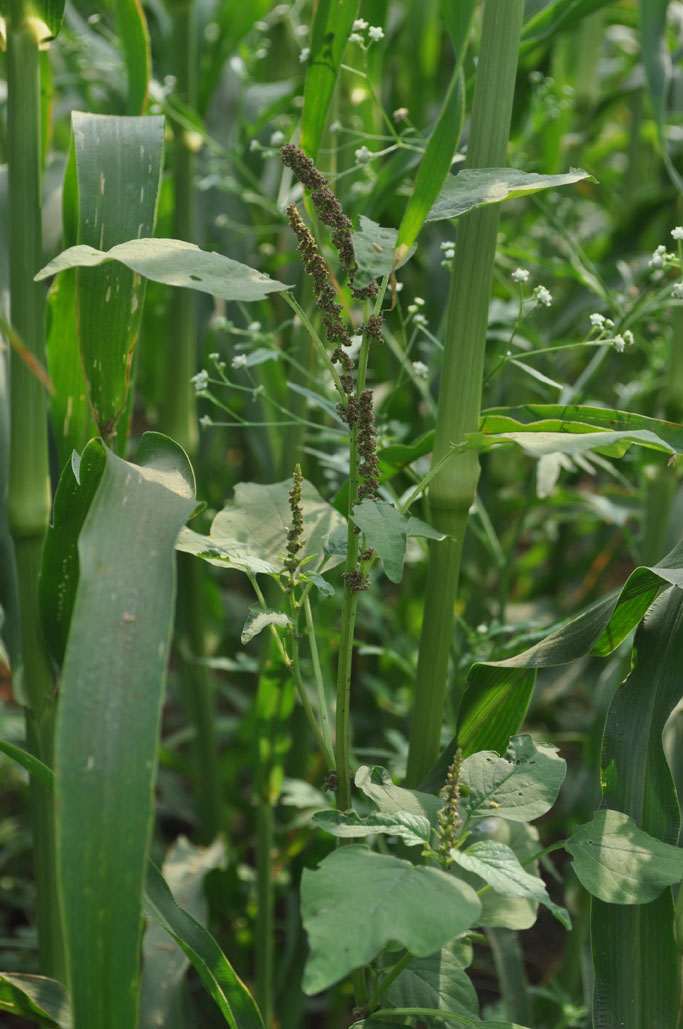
(131, 26)
(108, 722)
(659, 72)
(33, 996)
(332, 22)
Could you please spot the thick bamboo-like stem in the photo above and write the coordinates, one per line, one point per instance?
(453, 490)
(28, 499)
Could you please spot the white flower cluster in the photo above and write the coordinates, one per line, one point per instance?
(448, 254)
(200, 381)
(543, 296)
(363, 155)
(239, 361)
(520, 275)
(375, 32)
(605, 325)
(420, 369)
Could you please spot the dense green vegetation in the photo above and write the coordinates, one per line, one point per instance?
(341, 571)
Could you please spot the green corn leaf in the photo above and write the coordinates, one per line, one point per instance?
(552, 18)
(108, 720)
(118, 163)
(387, 531)
(640, 984)
(332, 22)
(421, 908)
(498, 692)
(164, 964)
(41, 1000)
(659, 73)
(174, 263)
(479, 187)
(458, 20)
(131, 28)
(204, 954)
(50, 12)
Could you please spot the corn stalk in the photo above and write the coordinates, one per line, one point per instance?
(454, 487)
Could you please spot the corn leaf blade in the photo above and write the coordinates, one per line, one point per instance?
(108, 721)
(332, 22)
(131, 28)
(43, 1000)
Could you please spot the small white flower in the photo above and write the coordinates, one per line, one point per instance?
(254, 327)
(277, 138)
(543, 296)
(239, 361)
(200, 381)
(419, 302)
(419, 319)
(255, 145)
(205, 421)
(609, 324)
(398, 287)
(336, 126)
(375, 32)
(520, 275)
(597, 321)
(657, 259)
(214, 357)
(677, 291)
(628, 336)
(449, 253)
(359, 25)
(420, 369)
(355, 37)
(677, 233)
(619, 344)
(304, 55)
(400, 114)
(362, 155)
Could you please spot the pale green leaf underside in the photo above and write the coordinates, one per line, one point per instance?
(174, 263)
(374, 247)
(574, 442)
(413, 829)
(477, 187)
(619, 863)
(223, 553)
(521, 786)
(259, 619)
(498, 866)
(437, 981)
(357, 901)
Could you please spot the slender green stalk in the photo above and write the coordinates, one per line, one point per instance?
(388, 979)
(29, 485)
(509, 963)
(319, 684)
(453, 490)
(323, 738)
(265, 899)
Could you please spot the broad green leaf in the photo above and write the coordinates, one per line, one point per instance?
(133, 34)
(387, 530)
(164, 963)
(414, 830)
(259, 619)
(498, 910)
(498, 866)
(41, 1000)
(658, 64)
(256, 522)
(442, 144)
(174, 263)
(108, 720)
(118, 163)
(552, 18)
(376, 783)
(498, 692)
(521, 786)
(356, 902)
(50, 12)
(318, 581)
(332, 22)
(58, 581)
(432, 1018)
(619, 863)
(478, 187)
(437, 981)
(637, 781)
(374, 248)
(227, 989)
